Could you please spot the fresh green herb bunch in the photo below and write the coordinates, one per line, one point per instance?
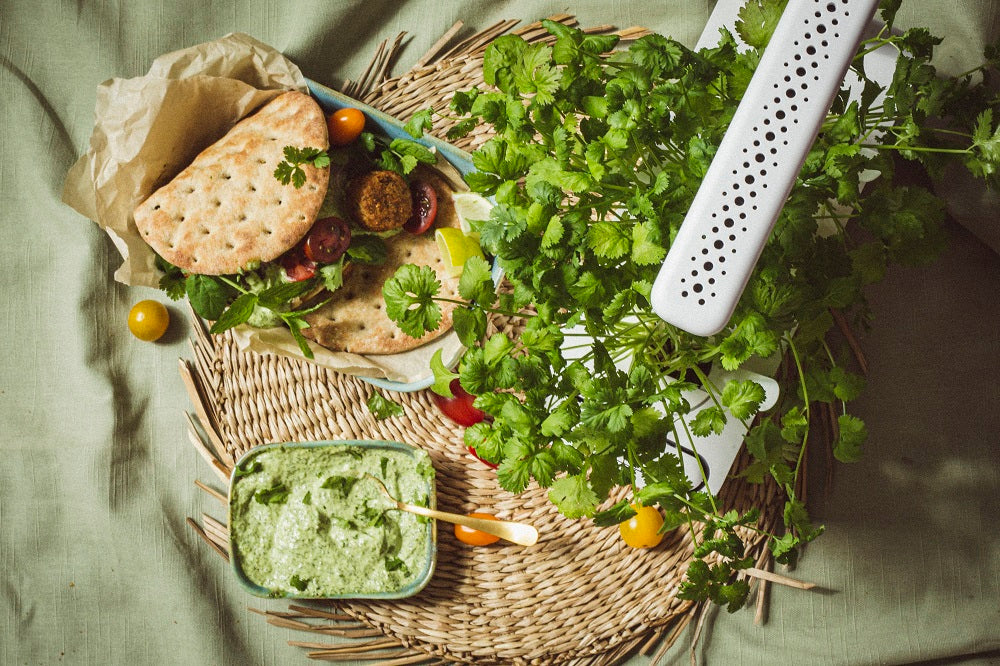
(595, 158)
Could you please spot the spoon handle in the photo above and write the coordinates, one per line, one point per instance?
(519, 533)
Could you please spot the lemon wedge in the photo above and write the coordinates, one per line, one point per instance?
(455, 248)
(471, 206)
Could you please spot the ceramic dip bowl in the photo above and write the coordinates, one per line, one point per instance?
(305, 522)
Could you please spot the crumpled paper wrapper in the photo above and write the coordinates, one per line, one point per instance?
(148, 128)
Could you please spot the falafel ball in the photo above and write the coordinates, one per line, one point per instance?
(380, 200)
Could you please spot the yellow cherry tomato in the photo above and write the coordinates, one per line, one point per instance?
(643, 529)
(148, 320)
(474, 537)
(345, 125)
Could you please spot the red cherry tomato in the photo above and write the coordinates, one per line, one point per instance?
(327, 241)
(459, 407)
(425, 207)
(297, 266)
(345, 125)
(474, 537)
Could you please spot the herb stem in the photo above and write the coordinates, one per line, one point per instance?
(235, 285)
(805, 409)
(916, 149)
(701, 468)
(496, 311)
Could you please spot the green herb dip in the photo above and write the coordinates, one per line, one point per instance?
(305, 522)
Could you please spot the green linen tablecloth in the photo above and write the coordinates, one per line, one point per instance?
(96, 563)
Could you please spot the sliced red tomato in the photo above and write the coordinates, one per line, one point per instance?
(297, 266)
(345, 125)
(327, 241)
(425, 206)
(474, 537)
(459, 407)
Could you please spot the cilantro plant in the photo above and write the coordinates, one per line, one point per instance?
(595, 156)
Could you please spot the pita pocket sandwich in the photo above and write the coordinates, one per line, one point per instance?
(226, 211)
(260, 229)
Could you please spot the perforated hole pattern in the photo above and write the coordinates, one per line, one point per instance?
(755, 167)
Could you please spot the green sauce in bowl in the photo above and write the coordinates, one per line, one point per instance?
(305, 523)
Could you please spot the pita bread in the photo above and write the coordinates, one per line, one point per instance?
(226, 209)
(354, 319)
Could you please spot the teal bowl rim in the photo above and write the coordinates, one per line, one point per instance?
(330, 99)
(409, 590)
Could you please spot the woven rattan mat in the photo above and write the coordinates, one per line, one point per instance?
(578, 597)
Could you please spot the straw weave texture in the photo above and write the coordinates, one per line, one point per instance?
(578, 597)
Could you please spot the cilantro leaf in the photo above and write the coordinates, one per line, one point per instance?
(172, 281)
(442, 375)
(794, 425)
(757, 21)
(290, 169)
(332, 275)
(418, 123)
(470, 325)
(742, 398)
(618, 513)
(608, 240)
(852, 435)
(409, 295)
(513, 475)
(888, 9)
(846, 385)
(410, 153)
(647, 248)
(476, 282)
(382, 408)
(573, 496)
(708, 421)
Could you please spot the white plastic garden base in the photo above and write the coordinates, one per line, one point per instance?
(717, 453)
(748, 181)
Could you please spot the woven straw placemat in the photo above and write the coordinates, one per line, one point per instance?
(578, 597)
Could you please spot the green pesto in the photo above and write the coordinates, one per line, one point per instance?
(305, 522)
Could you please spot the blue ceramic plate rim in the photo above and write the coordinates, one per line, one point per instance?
(332, 100)
(409, 590)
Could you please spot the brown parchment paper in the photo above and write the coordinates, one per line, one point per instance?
(148, 128)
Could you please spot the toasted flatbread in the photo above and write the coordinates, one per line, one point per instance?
(354, 319)
(226, 210)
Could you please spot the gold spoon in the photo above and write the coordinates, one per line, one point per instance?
(519, 533)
